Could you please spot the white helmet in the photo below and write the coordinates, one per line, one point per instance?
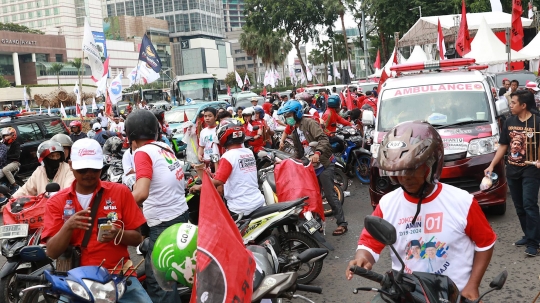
(249, 111)
(96, 126)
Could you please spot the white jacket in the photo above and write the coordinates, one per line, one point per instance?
(38, 181)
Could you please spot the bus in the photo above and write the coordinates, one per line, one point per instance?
(201, 87)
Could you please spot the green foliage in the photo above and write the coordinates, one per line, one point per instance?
(12, 27)
(4, 82)
(230, 79)
(56, 68)
(76, 63)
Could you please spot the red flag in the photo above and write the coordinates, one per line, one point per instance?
(263, 93)
(77, 109)
(517, 27)
(185, 117)
(108, 106)
(440, 42)
(384, 76)
(228, 90)
(464, 39)
(395, 61)
(378, 61)
(224, 272)
(349, 100)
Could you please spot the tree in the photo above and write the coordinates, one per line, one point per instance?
(4, 82)
(300, 20)
(230, 78)
(77, 63)
(321, 54)
(250, 42)
(338, 7)
(56, 68)
(12, 27)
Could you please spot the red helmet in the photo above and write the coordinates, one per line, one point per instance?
(230, 131)
(9, 131)
(300, 90)
(75, 124)
(408, 146)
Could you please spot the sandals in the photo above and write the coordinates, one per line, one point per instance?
(328, 213)
(340, 231)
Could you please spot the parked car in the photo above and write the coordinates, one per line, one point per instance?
(31, 131)
(522, 76)
(165, 105)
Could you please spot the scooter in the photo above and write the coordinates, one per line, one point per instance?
(81, 284)
(418, 287)
(15, 237)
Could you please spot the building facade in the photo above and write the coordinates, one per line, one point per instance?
(233, 15)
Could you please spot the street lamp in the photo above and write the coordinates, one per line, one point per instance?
(417, 7)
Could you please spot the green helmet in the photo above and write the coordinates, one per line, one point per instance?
(173, 256)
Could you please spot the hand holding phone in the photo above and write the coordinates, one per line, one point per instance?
(107, 232)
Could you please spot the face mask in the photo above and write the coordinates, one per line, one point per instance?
(290, 121)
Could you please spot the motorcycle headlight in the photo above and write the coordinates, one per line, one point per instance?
(78, 289)
(102, 292)
(483, 146)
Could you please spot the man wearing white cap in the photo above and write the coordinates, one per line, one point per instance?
(115, 205)
(533, 88)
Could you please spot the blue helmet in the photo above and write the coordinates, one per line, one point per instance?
(334, 101)
(292, 106)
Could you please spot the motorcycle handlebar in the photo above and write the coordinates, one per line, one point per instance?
(30, 278)
(309, 288)
(368, 274)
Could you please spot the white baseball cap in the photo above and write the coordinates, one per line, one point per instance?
(86, 153)
(96, 126)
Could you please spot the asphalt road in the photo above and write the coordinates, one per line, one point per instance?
(522, 284)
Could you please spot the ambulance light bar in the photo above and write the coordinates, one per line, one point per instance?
(410, 67)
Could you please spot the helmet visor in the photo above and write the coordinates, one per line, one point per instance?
(397, 173)
(161, 278)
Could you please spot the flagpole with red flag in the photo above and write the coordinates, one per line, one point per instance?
(516, 43)
(440, 41)
(349, 101)
(463, 45)
(378, 60)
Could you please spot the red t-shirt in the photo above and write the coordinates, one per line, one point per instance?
(330, 117)
(116, 200)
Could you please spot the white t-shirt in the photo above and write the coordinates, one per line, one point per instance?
(270, 121)
(84, 200)
(238, 171)
(127, 165)
(450, 228)
(208, 139)
(116, 127)
(167, 197)
(104, 120)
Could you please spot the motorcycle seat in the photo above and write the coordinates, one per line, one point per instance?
(277, 207)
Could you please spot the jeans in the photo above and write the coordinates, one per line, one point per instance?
(155, 292)
(524, 192)
(326, 178)
(135, 293)
(6, 171)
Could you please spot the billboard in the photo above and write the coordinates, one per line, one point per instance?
(101, 44)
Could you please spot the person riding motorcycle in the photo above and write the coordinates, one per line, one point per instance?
(66, 142)
(303, 132)
(102, 135)
(53, 169)
(257, 135)
(76, 131)
(96, 125)
(9, 136)
(331, 117)
(445, 221)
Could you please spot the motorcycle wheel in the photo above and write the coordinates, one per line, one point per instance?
(362, 168)
(300, 242)
(9, 289)
(341, 178)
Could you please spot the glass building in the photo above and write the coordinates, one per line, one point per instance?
(233, 14)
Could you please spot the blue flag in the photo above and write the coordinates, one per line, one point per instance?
(149, 54)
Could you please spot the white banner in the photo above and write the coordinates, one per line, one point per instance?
(90, 50)
(115, 89)
(496, 5)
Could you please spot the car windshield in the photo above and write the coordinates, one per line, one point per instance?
(199, 89)
(441, 105)
(177, 116)
(522, 78)
(153, 95)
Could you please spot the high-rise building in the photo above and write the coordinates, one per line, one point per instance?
(186, 18)
(233, 14)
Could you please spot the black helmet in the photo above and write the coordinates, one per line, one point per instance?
(142, 124)
(159, 113)
(230, 131)
(113, 145)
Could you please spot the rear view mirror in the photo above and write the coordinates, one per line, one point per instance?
(312, 254)
(368, 118)
(499, 280)
(380, 229)
(52, 187)
(501, 106)
(33, 253)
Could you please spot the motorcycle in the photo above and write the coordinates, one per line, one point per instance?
(15, 237)
(418, 287)
(81, 284)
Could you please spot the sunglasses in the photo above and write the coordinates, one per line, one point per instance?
(86, 170)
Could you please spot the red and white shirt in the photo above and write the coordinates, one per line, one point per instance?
(167, 197)
(449, 229)
(238, 171)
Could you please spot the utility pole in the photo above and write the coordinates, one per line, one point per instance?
(364, 34)
(333, 62)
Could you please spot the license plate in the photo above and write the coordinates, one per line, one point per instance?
(13, 231)
(312, 226)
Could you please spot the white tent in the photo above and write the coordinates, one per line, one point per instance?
(486, 48)
(424, 31)
(533, 48)
(378, 72)
(418, 55)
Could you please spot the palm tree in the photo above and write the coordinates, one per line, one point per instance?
(250, 42)
(281, 57)
(56, 68)
(77, 63)
(338, 7)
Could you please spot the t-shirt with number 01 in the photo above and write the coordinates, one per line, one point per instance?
(209, 141)
(449, 229)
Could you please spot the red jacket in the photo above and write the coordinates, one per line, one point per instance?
(330, 117)
(371, 102)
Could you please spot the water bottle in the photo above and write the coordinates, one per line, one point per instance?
(69, 210)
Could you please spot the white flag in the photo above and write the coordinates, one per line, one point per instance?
(302, 77)
(27, 107)
(94, 105)
(329, 78)
(84, 110)
(272, 79)
(101, 86)
(145, 74)
(77, 92)
(276, 75)
(351, 75)
(309, 74)
(49, 110)
(238, 80)
(292, 73)
(246, 80)
(91, 51)
(266, 78)
(115, 89)
(496, 5)
(133, 75)
(336, 73)
(63, 110)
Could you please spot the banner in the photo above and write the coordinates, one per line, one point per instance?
(115, 89)
(517, 26)
(463, 45)
(239, 81)
(149, 55)
(91, 51)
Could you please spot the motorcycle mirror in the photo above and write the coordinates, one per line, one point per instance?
(380, 229)
(32, 253)
(262, 154)
(499, 280)
(52, 187)
(4, 190)
(312, 254)
(174, 130)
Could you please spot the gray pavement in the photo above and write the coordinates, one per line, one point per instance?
(523, 282)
